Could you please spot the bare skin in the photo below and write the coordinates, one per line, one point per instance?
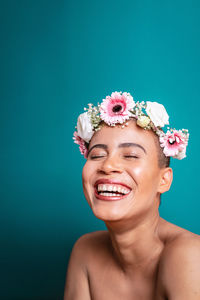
(141, 256)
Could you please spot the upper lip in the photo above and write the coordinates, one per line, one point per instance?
(110, 181)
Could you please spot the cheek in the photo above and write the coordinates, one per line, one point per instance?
(85, 175)
(138, 173)
(86, 178)
(144, 175)
(87, 171)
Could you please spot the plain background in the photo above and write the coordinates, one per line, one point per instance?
(57, 56)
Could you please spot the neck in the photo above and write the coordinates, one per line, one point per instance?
(138, 244)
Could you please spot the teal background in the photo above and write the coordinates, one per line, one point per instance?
(57, 56)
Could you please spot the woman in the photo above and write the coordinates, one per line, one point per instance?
(141, 256)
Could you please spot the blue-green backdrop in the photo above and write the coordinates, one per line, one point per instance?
(57, 56)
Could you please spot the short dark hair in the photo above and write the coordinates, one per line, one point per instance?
(163, 161)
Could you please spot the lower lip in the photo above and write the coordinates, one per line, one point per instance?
(110, 198)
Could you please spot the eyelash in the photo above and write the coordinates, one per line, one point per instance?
(126, 156)
(131, 156)
(96, 156)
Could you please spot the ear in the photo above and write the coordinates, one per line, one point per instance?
(166, 178)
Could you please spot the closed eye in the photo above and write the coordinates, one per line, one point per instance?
(131, 156)
(96, 156)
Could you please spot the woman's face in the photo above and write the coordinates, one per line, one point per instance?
(121, 177)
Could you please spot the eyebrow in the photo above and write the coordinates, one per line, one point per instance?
(123, 145)
(102, 146)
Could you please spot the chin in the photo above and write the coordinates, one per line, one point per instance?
(111, 212)
(108, 217)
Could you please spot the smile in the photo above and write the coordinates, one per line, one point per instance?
(108, 190)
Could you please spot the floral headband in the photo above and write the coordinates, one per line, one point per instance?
(118, 109)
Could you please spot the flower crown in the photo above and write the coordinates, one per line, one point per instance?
(118, 109)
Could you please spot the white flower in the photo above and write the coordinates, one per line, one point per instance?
(157, 114)
(84, 127)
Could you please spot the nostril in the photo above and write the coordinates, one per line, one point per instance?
(110, 164)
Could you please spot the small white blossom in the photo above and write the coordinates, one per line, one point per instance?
(143, 121)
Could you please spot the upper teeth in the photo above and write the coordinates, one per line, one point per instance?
(112, 188)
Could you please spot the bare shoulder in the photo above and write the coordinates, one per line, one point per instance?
(181, 243)
(180, 265)
(89, 246)
(90, 242)
(93, 237)
(185, 246)
(83, 255)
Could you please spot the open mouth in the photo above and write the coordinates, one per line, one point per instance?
(110, 191)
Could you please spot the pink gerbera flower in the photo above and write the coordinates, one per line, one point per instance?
(82, 147)
(116, 108)
(174, 143)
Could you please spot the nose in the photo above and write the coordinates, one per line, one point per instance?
(110, 165)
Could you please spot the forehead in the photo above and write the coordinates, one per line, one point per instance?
(131, 133)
